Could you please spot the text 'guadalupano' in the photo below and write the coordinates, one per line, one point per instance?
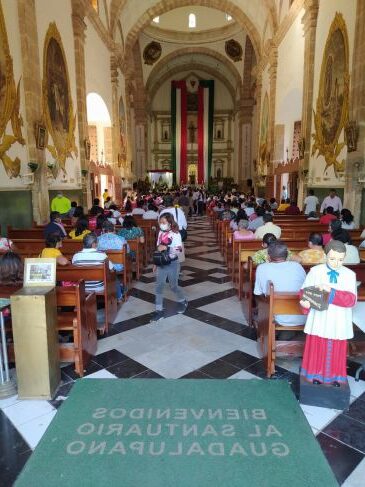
(178, 432)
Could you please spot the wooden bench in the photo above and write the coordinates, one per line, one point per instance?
(276, 303)
(100, 272)
(81, 322)
(122, 257)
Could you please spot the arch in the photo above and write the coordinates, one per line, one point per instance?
(191, 67)
(97, 111)
(223, 5)
(193, 50)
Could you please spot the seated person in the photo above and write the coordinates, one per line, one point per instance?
(130, 230)
(292, 209)
(55, 227)
(94, 212)
(267, 227)
(227, 213)
(108, 202)
(96, 207)
(6, 245)
(259, 220)
(250, 209)
(352, 254)
(334, 226)
(273, 204)
(347, 219)
(328, 216)
(100, 219)
(52, 250)
(81, 229)
(108, 240)
(139, 210)
(242, 233)
(241, 215)
(315, 253)
(151, 213)
(89, 255)
(11, 269)
(286, 277)
(79, 212)
(261, 256)
(284, 204)
(72, 209)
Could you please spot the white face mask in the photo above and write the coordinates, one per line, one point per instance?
(164, 226)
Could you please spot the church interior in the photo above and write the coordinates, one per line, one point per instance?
(141, 97)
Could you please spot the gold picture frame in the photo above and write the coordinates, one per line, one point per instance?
(39, 272)
(40, 136)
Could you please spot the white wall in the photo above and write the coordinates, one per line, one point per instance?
(327, 12)
(289, 84)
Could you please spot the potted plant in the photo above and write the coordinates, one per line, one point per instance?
(33, 166)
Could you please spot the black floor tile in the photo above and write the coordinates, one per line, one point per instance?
(342, 459)
(348, 431)
(219, 369)
(148, 374)
(63, 390)
(91, 368)
(357, 410)
(10, 467)
(196, 374)
(110, 358)
(240, 359)
(127, 369)
(258, 369)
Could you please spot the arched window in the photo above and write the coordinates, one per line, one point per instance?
(192, 21)
(228, 17)
(156, 20)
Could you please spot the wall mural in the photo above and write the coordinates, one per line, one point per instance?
(331, 114)
(9, 105)
(57, 102)
(264, 155)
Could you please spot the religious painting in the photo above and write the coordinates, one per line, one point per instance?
(57, 101)
(9, 105)
(264, 138)
(152, 53)
(234, 50)
(331, 113)
(40, 136)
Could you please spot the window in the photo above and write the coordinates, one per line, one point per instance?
(156, 20)
(192, 21)
(228, 17)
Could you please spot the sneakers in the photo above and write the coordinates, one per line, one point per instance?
(181, 307)
(157, 316)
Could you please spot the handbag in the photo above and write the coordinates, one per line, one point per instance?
(162, 257)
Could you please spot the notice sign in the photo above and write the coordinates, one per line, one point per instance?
(178, 433)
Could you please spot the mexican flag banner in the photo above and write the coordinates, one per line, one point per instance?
(179, 131)
(205, 129)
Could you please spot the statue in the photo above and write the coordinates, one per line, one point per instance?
(325, 352)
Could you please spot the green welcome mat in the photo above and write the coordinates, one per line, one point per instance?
(178, 433)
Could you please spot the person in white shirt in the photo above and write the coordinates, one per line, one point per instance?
(267, 227)
(311, 203)
(151, 213)
(332, 200)
(177, 213)
(139, 210)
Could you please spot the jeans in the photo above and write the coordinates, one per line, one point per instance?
(171, 272)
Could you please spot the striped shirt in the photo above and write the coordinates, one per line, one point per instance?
(91, 257)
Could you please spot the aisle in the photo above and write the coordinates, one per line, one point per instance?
(211, 340)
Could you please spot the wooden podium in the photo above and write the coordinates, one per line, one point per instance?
(34, 319)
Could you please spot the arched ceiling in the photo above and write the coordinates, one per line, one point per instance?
(251, 15)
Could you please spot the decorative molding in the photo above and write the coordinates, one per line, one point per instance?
(233, 50)
(152, 53)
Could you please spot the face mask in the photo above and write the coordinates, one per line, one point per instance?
(164, 227)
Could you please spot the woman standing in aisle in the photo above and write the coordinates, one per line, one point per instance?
(169, 239)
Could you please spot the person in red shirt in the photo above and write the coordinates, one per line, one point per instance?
(328, 217)
(292, 209)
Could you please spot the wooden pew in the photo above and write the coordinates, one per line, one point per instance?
(100, 272)
(122, 257)
(268, 306)
(81, 322)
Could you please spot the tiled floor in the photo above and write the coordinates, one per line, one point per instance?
(211, 340)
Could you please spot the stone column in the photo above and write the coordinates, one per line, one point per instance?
(256, 123)
(79, 27)
(273, 67)
(32, 84)
(355, 163)
(116, 148)
(309, 22)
